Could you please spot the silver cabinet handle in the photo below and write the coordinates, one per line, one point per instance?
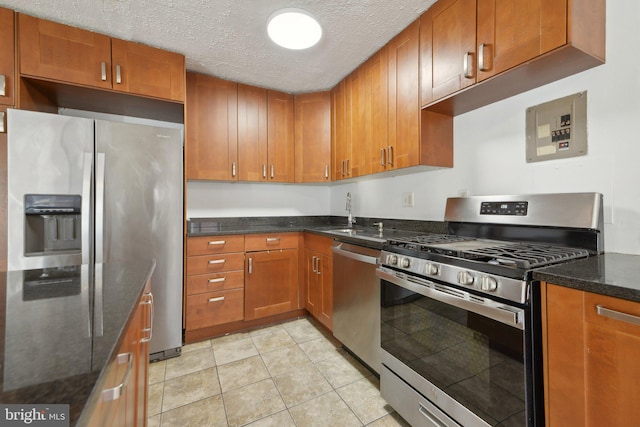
(250, 265)
(216, 299)
(273, 171)
(114, 393)
(617, 315)
(347, 168)
(390, 155)
(3, 128)
(483, 65)
(103, 71)
(467, 70)
(342, 168)
(313, 264)
(149, 330)
(264, 171)
(431, 417)
(318, 265)
(272, 239)
(233, 169)
(217, 242)
(3, 85)
(217, 280)
(118, 75)
(382, 156)
(217, 261)
(326, 171)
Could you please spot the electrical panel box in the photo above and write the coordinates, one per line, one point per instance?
(557, 129)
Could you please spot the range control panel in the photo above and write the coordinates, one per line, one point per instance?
(504, 208)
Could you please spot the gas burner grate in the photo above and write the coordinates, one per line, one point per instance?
(429, 239)
(526, 255)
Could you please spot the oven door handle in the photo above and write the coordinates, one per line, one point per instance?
(511, 316)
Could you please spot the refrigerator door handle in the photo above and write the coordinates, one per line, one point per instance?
(86, 208)
(100, 170)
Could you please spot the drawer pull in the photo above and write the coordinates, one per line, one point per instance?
(216, 299)
(118, 75)
(3, 85)
(616, 315)
(218, 280)
(217, 242)
(217, 261)
(273, 239)
(114, 393)
(149, 330)
(103, 71)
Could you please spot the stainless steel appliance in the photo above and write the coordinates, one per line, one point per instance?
(83, 191)
(356, 301)
(460, 320)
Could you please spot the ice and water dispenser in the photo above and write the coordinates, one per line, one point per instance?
(52, 224)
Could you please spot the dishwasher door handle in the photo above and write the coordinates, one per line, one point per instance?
(354, 255)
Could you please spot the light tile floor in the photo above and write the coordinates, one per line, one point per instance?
(290, 374)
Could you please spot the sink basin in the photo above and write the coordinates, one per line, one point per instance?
(368, 234)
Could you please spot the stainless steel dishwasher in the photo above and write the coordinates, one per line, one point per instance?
(356, 301)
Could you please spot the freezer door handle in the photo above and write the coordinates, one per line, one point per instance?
(100, 232)
(85, 221)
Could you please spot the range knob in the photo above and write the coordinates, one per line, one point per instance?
(488, 283)
(465, 278)
(405, 262)
(431, 269)
(392, 259)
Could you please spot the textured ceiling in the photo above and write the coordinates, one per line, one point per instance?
(228, 38)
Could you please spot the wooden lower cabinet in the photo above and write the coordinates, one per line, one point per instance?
(214, 308)
(591, 345)
(271, 283)
(318, 278)
(123, 400)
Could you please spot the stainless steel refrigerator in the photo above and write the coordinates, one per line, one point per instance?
(84, 191)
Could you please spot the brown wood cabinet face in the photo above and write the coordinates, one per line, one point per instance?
(271, 283)
(357, 150)
(204, 264)
(591, 367)
(313, 137)
(211, 128)
(318, 278)
(63, 53)
(280, 137)
(511, 33)
(453, 25)
(213, 282)
(214, 308)
(148, 71)
(339, 130)
(7, 57)
(206, 245)
(269, 242)
(404, 99)
(377, 110)
(252, 133)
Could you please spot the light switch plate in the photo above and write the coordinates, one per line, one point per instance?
(407, 200)
(557, 129)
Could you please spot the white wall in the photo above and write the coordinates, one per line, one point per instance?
(489, 156)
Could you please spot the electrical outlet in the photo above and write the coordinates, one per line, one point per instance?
(407, 200)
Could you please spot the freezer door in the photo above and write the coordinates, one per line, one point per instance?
(139, 213)
(49, 156)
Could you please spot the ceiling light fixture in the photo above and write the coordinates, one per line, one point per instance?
(294, 29)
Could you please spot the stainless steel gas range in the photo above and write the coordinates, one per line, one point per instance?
(460, 316)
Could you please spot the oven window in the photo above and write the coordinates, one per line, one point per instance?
(477, 361)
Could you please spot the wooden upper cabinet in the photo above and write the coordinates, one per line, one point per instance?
(280, 137)
(252, 133)
(211, 128)
(313, 137)
(513, 32)
(144, 70)
(453, 36)
(7, 57)
(377, 110)
(339, 130)
(356, 150)
(59, 52)
(404, 99)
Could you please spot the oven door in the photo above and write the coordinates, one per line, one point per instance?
(463, 355)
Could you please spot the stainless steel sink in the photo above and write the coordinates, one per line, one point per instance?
(367, 234)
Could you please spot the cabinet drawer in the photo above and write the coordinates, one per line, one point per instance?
(266, 242)
(318, 243)
(214, 282)
(204, 245)
(612, 313)
(214, 308)
(214, 263)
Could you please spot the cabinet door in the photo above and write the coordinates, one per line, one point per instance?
(280, 136)
(311, 282)
(211, 128)
(271, 283)
(148, 71)
(7, 57)
(339, 130)
(356, 145)
(404, 99)
(313, 137)
(377, 110)
(512, 32)
(59, 52)
(252, 133)
(453, 29)
(325, 290)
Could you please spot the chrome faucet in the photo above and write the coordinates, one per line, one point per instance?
(350, 219)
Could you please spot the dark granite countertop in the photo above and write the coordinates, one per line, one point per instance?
(610, 274)
(59, 337)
